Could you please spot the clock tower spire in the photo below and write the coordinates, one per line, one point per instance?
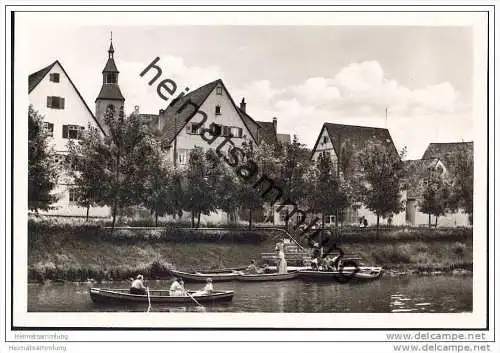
(110, 96)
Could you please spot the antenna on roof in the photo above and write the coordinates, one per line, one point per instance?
(386, 117)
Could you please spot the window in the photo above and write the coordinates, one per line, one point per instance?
(48, 128)
(54, 77)
(226, 131)
(193, 128)
(110, 78)
(218, 91)
(325, 139)
(72, 131)
(182, 155)
(55, 102)
(217, 110)
(216, 129)
(236, 131)
(73, 195)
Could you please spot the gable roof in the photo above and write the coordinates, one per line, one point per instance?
(267, 133)
(443, 151)
(175, 120)
(35, 78)
(416, 168)
(358, 135)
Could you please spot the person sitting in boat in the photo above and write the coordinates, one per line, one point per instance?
(208, 289)
(137, 286)
(177, 288)
(316, 256)
(252, 268)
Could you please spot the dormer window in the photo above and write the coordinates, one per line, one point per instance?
(54, 77)
(217, 110)
(218, 90)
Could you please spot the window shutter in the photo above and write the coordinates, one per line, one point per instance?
(240, 132)
(65, 131)
(61, 103)
(49, 102)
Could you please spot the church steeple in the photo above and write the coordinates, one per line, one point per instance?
(110, 96)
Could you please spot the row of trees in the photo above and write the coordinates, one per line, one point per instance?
(128, 167)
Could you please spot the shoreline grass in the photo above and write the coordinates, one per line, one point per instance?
(65, 252)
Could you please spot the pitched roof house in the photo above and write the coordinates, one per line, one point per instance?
(445, 151)
(176, 126)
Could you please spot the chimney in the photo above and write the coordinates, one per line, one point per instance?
(243, 105)
(275, 124)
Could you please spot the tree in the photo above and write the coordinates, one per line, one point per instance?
(199, 194)
(461, 167)
(163, 190)
(380, 179)
(119, 159)
(328, 193)
(435, 195)
(42, 169)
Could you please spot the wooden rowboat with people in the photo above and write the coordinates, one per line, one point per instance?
(105, 295)
(203, 276)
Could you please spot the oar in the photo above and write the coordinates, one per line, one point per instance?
(149, 300)
(201, 306)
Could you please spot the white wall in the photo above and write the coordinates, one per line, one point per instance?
(228, 117)
(74, 112)
(328, 146)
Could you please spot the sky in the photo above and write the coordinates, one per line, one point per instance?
(303, 75)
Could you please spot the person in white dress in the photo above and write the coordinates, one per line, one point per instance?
(177, 288)
(282, 267)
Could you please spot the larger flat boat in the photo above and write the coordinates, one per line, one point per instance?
(202, 277)
(259, 277)
(346, 275)
(155, 296)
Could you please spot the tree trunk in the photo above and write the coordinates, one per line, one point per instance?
(286, 220)
(378, 223)
(436, 225)
(192, 219)
(336, 218)
(115, 207)
(322, 220)
(156, 219)
(88, 208)
(430, 220)
(250, 219)
(198, 223)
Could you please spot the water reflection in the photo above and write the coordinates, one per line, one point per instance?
(416, 294)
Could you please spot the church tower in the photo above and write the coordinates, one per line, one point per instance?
(110, 96)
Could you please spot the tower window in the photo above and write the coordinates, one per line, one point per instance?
(54, 77)
(55, 102)
(217, 110)
(218, 90)
(110, 78)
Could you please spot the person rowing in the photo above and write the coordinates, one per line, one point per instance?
(177, 288)
(137, 286)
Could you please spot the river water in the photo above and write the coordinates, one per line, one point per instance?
(438, 294)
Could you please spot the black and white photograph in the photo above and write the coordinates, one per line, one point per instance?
(249, 170)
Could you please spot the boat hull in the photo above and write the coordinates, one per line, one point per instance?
(346, 275)
(260, 277)
(155, 296)
(202, 277)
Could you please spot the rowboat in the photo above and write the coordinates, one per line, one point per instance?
(259, 277)
(156, 296)
(202, 277)
(347, 274)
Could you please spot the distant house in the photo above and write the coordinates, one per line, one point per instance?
(438, 156)
(341, 142)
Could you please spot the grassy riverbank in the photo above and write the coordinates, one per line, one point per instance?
(77, 253)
